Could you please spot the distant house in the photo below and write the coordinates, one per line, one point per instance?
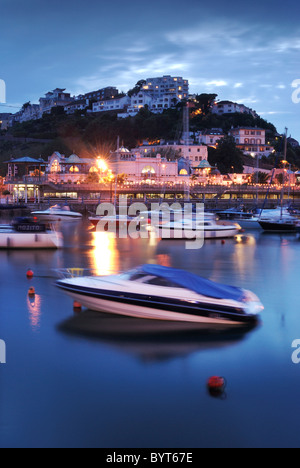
(229, 107)
(103, 94)
(5, 121)
(113, 104)
(55, 98)
(78, 104)
(210, 137)
(251, 140)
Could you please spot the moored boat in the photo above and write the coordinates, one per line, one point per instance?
(161, 293)
(57, 213)
(25, 233)
(206, 227)
(279, 225)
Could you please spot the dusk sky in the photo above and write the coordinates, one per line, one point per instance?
(243, 51)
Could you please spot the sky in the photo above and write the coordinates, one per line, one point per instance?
(247, 52)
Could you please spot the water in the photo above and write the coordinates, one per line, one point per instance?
(70, 382)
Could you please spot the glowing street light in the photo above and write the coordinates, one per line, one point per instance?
(102, 166)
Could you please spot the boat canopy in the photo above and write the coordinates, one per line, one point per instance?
(195, 283)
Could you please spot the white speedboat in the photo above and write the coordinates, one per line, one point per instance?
(189, 228)
(161, 293)
(25, 233)
(57, 213)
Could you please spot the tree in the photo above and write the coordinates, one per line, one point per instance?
(137, 88)
(204, 102)
(227, 157)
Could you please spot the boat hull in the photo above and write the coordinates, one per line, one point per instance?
(278, 227)
(155, 308)
(44, 240)
(222, 233)
(52, 218)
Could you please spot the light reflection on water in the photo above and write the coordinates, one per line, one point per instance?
(82, 378)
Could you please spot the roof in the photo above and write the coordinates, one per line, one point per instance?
(195, 283)
(26, 160)
(204, 165)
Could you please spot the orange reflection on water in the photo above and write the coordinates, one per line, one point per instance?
(105, 255)
(34, 310)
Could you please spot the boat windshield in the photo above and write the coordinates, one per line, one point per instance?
(140, 277)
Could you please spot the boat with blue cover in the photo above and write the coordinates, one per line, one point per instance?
(162, 293)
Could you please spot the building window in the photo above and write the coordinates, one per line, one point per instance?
(148, 170)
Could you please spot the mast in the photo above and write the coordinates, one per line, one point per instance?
(186, 138)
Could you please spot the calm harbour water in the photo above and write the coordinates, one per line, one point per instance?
(65, 387)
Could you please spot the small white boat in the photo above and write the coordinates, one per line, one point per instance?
(28, 234)
(161, 293)
(189, 228)
(57, 213)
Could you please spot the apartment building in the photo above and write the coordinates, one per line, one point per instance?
(173, 86)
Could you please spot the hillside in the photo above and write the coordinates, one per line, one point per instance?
(96, 134)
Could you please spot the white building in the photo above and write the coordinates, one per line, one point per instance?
(251, 140)
(173, 86)
(194, 154)
(116, 104)
(229, 107)
(210, 137)
(140, 167)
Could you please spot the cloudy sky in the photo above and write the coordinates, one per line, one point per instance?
(243, 51)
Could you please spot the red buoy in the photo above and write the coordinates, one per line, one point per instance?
(29, 274)
(216, 382)
(216, 386)
(77, 306)
(223, 241)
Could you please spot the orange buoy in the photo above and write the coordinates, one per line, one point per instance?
(29, 274)
(31, 292)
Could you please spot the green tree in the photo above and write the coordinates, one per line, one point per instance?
(227, 157)
(204, 102)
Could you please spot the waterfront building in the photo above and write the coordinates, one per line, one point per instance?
(252, 141)
(138, 167)
(73, 169)
(175, 150)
